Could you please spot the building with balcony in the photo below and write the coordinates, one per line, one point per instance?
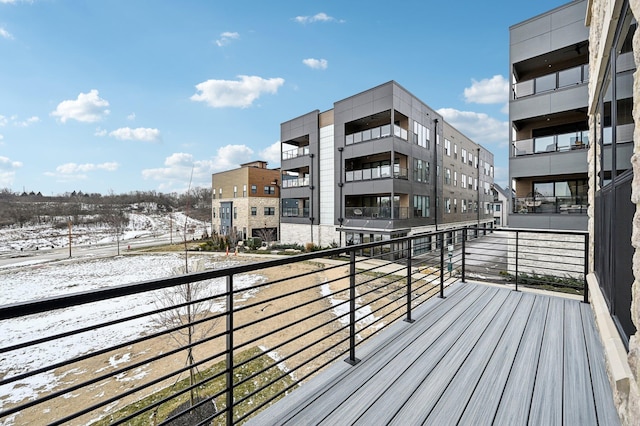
(549, 68)
(245, 202)
(613, 187)
(378, 165)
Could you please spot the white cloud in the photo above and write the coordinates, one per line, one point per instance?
(26, 123)
(131, 117)
(3, 121)
(138, 134)
(228, 93)
(226, 37)
(318, 17)
(178, 167)
(72, 171)
(5, 34)
(8, 171)
(100, 132)
(494, 90)
(87, 108)
(272, 154)
(480, 127)
(317, 64)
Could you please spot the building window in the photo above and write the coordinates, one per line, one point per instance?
(213, 195)
(497, 208)
(464, 206)
(470, 159)
(455, 151)
(455, 178)
(455, 205)
(220, 192)
(269, 211)
(447, 205)
(270, 190)
(447, 147)
(254, 189)
(254, 211)
(421, 206)
(463, 181)
(447, 176)
(235, 212)
(213, 210)
(464, 156)
(420, 170)
(421, 135)
(235, 191)
(244, 191)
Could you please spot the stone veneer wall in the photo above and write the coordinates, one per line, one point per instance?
(626, 392)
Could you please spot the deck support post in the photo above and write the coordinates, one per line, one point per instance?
(441, 237)
(517, 235)
(229, 375)
(409, 279)
(352, 310)
(586, 269)
(464, 254)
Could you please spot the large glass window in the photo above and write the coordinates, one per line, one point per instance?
(421, 206)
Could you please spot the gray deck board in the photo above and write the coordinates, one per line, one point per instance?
(483, 355)
(579, 405)
(605, 410)
(485, 333)
(546, 406)
(487, 358)
(516, 397)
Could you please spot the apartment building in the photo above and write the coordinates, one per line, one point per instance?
(549, 68)
(378, 165)
(246, 202)
(613, 181)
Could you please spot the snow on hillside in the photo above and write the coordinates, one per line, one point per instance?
(42, 237)
(55, 279)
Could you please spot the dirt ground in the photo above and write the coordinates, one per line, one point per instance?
(334, 275)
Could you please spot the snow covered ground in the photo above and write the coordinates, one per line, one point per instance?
(52, 279)
(43, 237)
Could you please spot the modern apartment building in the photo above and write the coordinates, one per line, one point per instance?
(380, 164)
(246, 202)
(549, 68)
(614, 185)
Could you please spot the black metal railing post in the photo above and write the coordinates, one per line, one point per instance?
(441, 237)
(352, 309)
(229, 375)
(586, 268)
(464, 253)
(409, 279)
(517, 236)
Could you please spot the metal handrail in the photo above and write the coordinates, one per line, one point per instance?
(390, 285)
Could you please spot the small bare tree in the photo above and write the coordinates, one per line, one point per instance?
(114, 216)
(189, 295)
(267, 235)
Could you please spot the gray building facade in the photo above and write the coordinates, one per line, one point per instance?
(380, 164)
(549, 69)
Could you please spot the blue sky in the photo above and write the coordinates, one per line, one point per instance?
(126, 95)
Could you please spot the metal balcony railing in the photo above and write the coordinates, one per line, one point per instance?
(261, 340)
(550, 205)
(295, 182)
(295, 212)
(554, 143)
(376, 133)
(294, 153)
(382, 172)
(554, 81)
(376, 212)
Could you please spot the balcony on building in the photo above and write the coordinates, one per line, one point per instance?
(374, 167)
(377, 206)
(376, 127)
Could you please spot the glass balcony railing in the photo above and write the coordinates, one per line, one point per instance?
(294, 153)
(376, 133)
(295, 183)
(295, 212)
(550, 82)
(382, 172)
(376, 212)
(554, 143)
(550, 205)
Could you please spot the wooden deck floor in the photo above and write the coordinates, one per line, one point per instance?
(482, 355)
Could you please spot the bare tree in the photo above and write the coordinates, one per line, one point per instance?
(190, 295)
(267, 235)
(114, 216)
